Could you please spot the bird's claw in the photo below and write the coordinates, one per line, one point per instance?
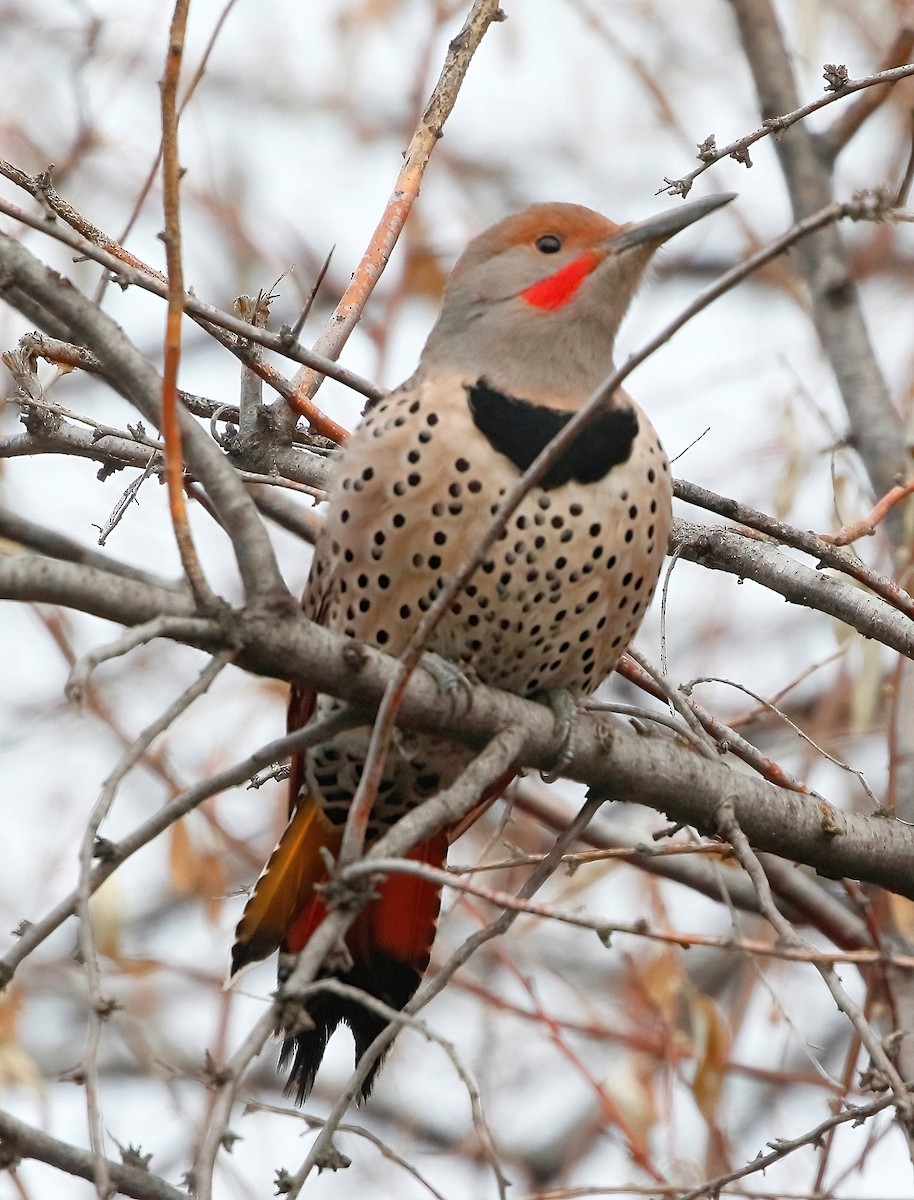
(565, 711)
(450, 680)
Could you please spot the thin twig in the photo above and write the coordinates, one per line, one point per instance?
(709, 153)
(826, 553)
(129, 270)
(867, 526)
(850, 121)
(406, 188)
(171, 201)
(189, 91)
(882, 1064)
(296, 328)
(115, 854)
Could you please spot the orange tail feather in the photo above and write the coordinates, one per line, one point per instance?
(390, 943)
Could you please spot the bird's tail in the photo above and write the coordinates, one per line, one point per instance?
(389, 942)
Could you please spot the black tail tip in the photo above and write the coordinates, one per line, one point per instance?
(393, 983)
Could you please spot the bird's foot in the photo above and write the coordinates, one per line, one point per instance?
(450, 679)
(566, 713)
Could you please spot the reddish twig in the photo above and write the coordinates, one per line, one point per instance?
(171, 203)
(827, 553)
(725, 737)
(406, 188)
(867, 526)
(185, 100)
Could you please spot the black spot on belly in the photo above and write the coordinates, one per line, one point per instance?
(520, 430)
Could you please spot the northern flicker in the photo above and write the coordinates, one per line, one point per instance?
(525, 335)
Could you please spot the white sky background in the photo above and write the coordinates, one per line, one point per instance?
(291, 145)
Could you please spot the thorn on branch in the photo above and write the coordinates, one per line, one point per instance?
(835, 76)
(216, 1074)
(228, 1140)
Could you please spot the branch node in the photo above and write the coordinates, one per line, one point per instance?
(354, 656)
(835, 76)
(133, 1156)
(214, 1072)
(104, 850)
(675, 187)
(741, 155)
(830, 820)
(330, 1159)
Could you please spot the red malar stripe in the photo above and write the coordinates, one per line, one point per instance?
(555, 290)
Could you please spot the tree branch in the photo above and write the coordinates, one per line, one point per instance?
(621, 765)
(406, 188)
(728, 550)
(823, 259)
(18, 1140)
(123, 362)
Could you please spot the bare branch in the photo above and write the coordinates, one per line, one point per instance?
(823, 259)
(655, 771)
(24, 1141)
(728, 550)
(143, 276)
(406, 188)
(56, 545)
(710, 153)
(824, 551)
(121, 360)
(882, 1065)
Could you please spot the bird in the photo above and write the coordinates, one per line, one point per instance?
(525, 335)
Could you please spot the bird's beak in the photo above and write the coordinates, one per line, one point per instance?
(656, 230)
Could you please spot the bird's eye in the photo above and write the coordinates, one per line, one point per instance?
(549, 244)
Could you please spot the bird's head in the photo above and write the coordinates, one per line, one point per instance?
(534, 303)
